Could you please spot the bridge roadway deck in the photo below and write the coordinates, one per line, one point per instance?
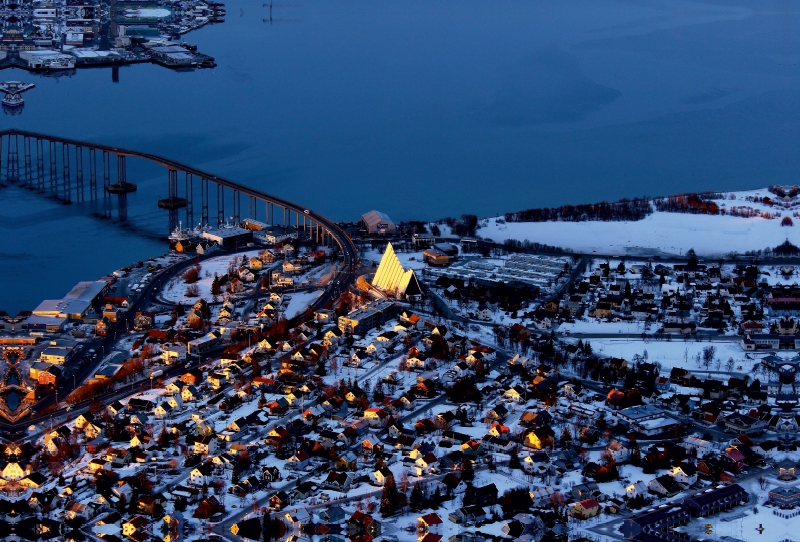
(342, 239)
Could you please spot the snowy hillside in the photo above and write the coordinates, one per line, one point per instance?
(661, 232)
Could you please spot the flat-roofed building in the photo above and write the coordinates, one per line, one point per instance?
(435, 257)
(229, 237)
(370, 316)
(55, 354)
(52, 324)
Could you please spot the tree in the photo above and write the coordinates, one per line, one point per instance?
(216, 287)
(405, 482)
(391, 499)
(708, 355)
(416, 498)
(516, 500)
(467, 470)
(192, 275)
(513, 461)
(470, 495)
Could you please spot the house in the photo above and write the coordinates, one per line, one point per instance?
(205, 445)
(697, 445)
(347, 461)
(381, 475)
(279, 500)
(270, 474)
(362, 525)
(468, 515)
(34, 480)
(664, 485)
(216, 380)
(201, 474)
(189, 394)
(429, 523)
(637, 489)
(163, 410)
(333, 515)
(83, 420)
(539, 438)
(618, 452)
(76, 510)
(685, 473)
(585, 509)
(338, 481)
(377, 417)
(298, 461)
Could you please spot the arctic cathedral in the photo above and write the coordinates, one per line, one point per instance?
(393, 279)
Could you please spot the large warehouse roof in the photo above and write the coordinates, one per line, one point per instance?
(378, 222)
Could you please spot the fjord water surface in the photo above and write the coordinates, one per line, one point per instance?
(424, 109)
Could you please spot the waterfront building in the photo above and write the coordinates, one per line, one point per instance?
(376, 222)
(229, 237)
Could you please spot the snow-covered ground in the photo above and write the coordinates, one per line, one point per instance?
(299, 301)
(677, 353)
(659, 233)
(409, 260)
(175, 290)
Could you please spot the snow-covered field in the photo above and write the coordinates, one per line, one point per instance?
(299, 301)
(677, 353)
(175, 290)
(659, 233)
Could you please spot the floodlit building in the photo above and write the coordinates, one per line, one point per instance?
(378, 222)
(393, 279)
(370, 316)
(229, 237)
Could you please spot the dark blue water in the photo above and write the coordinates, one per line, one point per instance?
(430, 108)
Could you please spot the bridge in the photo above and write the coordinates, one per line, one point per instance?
(72, 170)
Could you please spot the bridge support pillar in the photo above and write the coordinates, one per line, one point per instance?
(26, 148)
(106, 184)
(52, 157)
(122, 186)
(189, 179)
(92, 174)
(12, 160)
(172, 202)
(80, 196)
(220, 205)
(204, 202)
(66, 185)
(39, 164)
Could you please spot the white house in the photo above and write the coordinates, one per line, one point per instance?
(700, 446)
(618, 452)
(173, 352)
(636, 489)
(683, 474)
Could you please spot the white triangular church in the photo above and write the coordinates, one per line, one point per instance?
(393, 279)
